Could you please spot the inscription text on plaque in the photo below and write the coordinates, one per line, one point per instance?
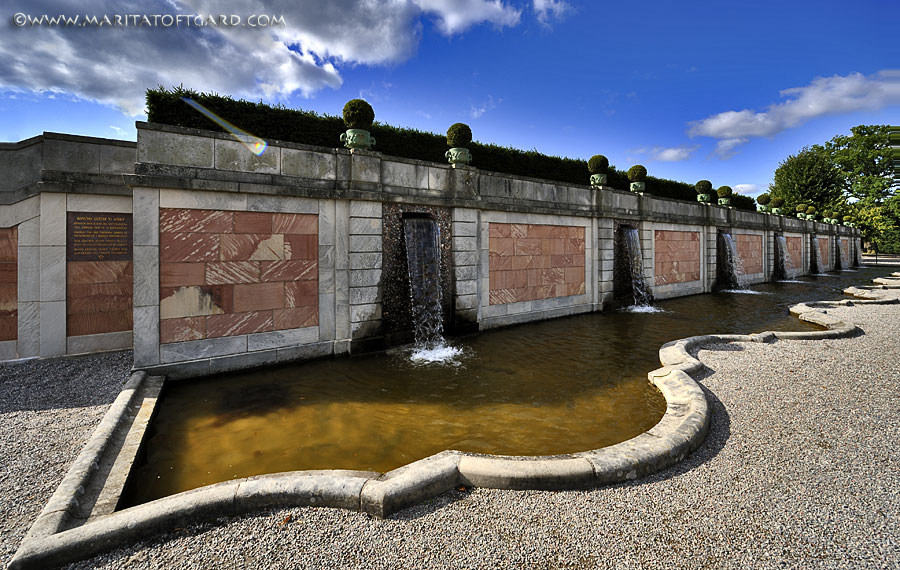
(98, 236)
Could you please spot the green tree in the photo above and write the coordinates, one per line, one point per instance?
(852, 174)
(864, 159)
(809, 177)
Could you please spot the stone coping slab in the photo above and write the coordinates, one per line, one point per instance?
(681, 430)
(891, 283)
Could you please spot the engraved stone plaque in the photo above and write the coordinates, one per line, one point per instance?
(98, 236)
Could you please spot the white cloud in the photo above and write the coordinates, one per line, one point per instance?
(455, 16)
(115, 66)
(725, 148)
(477, 112)
(824, 96)
(550, 9)
(668, 154)
(747, 189)
(376, 93)
(674, 154)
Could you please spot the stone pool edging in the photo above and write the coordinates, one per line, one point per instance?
(681, 430)
(63, 504)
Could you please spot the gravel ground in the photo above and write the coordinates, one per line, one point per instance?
(48, 409)
(799, 470)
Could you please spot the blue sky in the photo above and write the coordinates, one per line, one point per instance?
(711, 89)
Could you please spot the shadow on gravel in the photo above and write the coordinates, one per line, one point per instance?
(430, 506)
(716, 438)
(62, 383)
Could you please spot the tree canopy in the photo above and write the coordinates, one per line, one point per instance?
(809, 177)
(850, 174)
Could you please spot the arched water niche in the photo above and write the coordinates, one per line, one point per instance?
(397, 317)
(629, 284)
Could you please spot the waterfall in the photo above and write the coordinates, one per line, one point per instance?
(423, 254)
(784, 265)
(636, 266)
(815, 263)
(731, 269)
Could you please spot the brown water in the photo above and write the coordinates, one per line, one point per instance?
(552, 387)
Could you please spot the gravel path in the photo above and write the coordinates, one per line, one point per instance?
(48, 409)
(800, 469)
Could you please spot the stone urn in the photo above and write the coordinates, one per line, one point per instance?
(458, 155)
(724, 201)
(357, 138)
(598, 180)
(763, 208)
(776, 211)
(705, 198)
(638, 186)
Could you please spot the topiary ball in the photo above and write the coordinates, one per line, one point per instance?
(801, 208)
(358, 115)
(724, 191)
(598, 164)
(459, 135)
(811, 210)
(637, 173)
(763, 199)
(703, 187)
(777, 202)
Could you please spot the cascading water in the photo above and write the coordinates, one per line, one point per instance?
(784, 265)
(731, 269)
(423, 254)
(636, 263)
(845, 256)
(815, 264)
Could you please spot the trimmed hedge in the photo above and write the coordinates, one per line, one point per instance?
(358, 114)
(307, 127)
(637, 173)
(741, 202)
(598, 164)
(459, 135)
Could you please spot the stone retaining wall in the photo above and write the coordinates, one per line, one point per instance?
(240, 260)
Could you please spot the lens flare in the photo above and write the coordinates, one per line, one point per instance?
(254, 144)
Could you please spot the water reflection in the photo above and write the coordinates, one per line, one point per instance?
(552, 387)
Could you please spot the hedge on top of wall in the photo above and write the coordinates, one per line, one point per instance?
(742, 202)
(307, 127)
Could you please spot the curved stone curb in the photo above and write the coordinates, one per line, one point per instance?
(890, 283)
(866, 293)
(336, 489)
(681, 430)
(64, 501)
